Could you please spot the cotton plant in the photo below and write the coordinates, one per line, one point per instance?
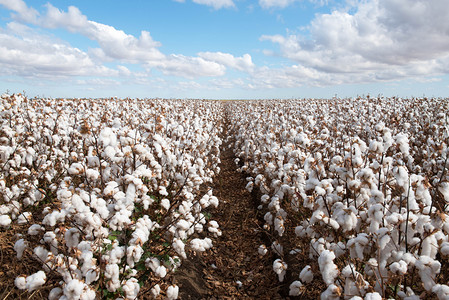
(111, 180)
(370, 187)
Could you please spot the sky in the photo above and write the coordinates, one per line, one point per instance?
(224, 49)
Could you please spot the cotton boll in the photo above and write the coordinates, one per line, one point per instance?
(214, 201)
(72, 237)
(373, 296)
(399, 267)
(35, 281)
(172, 292)
(131, 288)
(213, 228)
(328, 269)
(20, 246)
(277, 248)
(23, 218)
(41, 253)
(280, 268)
(179, 246)
(165, 204)
(50, 239)
(306, 274)
(296, 288)
(73, 289)
(35, 229)
(20, 282)
(152, 263)
(441, 290)
(155, 291)
(332, 292)
(428, 268)
(262, 250)
(55, 293)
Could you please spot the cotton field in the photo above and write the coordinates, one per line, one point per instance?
(105, 194)
(109, 196)
(356, 188)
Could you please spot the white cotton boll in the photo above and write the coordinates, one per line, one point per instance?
(332, 292)
(277, 248)
(262, 250)
(153, 263)
(41, 253)
(92, 174)
(268, 217)
(165, 204)
(20, 282)
(162, 191)
(55, 294)
(279, 225)
(295, 288)
(179, 247)
(201, 245)
(24, 218)
(280, 268)
(111, 188)
(131, 288)
(73, 289)
(265, 198)
(430, 246)
(55, 216)
(373, 296)
(213, 201)
(35, 280)
(444, 190)
(20, 246)
(183, 225)
(72, 237)
(328, 269)
(399, 267)
(445, 248)
(441, 290)
(306, 274)
(35, 229)
(172, 292)
(155, 291)
(76, 169)
(91, 276)
(428, 269)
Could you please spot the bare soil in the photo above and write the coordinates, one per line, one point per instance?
(232, 269)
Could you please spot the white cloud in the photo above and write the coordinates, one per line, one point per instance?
(34, 55)
(275, 3)
(216, 4)
(116, 45)
(19, 6)
(189, 67)
(382, 40)
(243, 63)
(266, 4)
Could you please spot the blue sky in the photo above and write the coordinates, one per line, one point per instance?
(224, 49)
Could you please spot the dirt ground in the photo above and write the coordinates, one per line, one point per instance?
(232, 269)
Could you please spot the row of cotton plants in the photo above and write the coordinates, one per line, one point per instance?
(107, 195)
(354, 193)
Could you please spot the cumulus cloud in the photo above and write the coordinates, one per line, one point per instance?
(243, 63)
(382, 40)
(32, 54)
(216, 4)
(275, 3)
(266, 4)
(116, 45)
(24, 12)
